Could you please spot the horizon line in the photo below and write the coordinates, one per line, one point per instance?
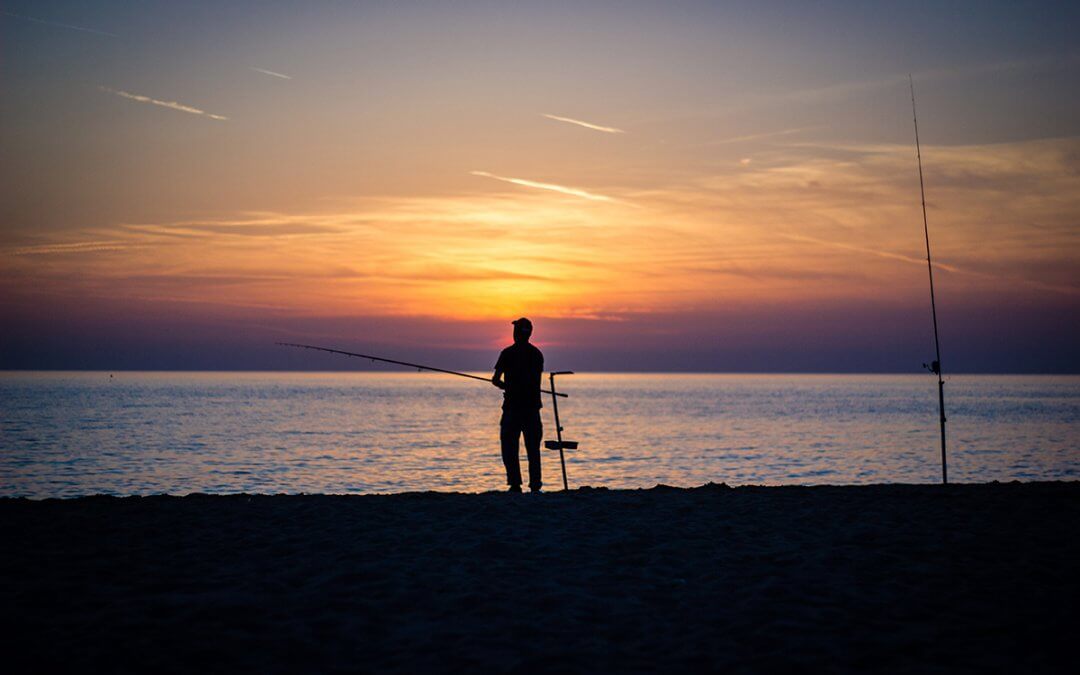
(407, 371)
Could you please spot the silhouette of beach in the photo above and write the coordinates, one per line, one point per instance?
(895, 577)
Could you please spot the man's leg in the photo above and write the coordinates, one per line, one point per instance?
(533, 430)
(509, 431)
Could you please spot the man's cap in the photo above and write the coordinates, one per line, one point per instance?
(524, 323)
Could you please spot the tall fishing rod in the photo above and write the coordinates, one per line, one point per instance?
(402, 363)
(934, 367)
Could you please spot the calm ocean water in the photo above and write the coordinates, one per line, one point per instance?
(67, 434)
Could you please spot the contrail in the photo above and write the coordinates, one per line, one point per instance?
(272, 73)
(870, 251)
(84, 29)
(948, 268)
(547, 186)
(594, 127)
(164, 104)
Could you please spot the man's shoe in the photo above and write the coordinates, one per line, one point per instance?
(514, 488)
(534, 490)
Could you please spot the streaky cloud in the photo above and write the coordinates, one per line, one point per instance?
(758, 137)
(272, 73)
(836, 91)
(870, 251)
(575, 192)
(173, 105)
(242, 229)
(73, 247)
(1069, 290)
(853, 87)
(587, 125)
(56, 24)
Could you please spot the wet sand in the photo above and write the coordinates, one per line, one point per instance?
(893, 578)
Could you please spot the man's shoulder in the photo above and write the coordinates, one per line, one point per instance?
(535, 352)
(525, 350)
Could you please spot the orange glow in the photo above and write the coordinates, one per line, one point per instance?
(782, 230)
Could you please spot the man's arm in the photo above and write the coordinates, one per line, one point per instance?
(500, 369)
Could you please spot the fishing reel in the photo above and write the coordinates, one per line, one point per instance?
(934, 367)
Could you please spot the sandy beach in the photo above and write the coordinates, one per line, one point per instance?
(892, 578)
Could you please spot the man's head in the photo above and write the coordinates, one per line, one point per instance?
(522, 329)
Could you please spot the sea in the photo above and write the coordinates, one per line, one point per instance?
(66, 434)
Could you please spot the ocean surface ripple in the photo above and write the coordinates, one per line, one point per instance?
(69, 434)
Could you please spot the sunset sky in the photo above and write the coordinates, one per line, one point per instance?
(659, 186)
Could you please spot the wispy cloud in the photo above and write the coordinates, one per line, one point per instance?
(861, 249)
(853, 87)
(55, 24)
(74, 247)
(1034, 283)
(587, 125)
(164, 104)
(575, 192)
(758, 137)
(272, 73)
(284, 228)
(837, 91)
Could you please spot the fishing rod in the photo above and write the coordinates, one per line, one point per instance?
(934, 367)
(402, 363)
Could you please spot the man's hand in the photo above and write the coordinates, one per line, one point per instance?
(497, 382)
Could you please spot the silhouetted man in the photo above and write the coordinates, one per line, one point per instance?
(517, 373)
